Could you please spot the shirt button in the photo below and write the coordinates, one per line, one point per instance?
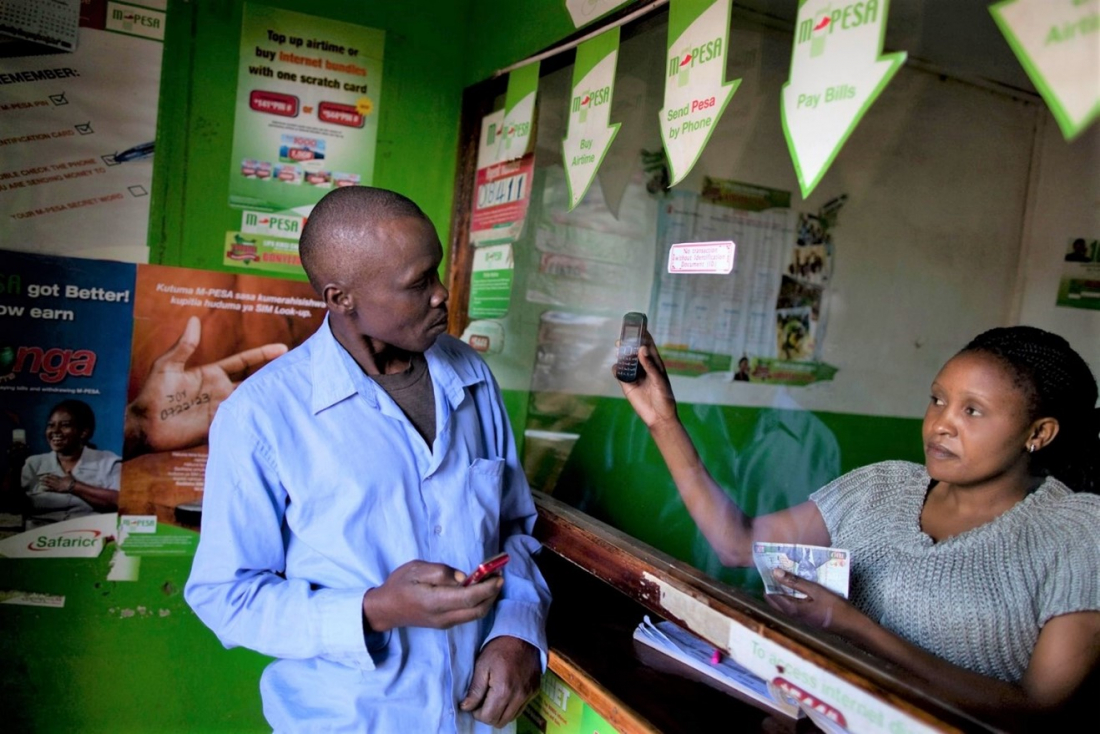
(438, 530)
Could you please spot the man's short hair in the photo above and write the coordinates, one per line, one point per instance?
(334, 230)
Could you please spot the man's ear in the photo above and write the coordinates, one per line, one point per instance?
(337, 299)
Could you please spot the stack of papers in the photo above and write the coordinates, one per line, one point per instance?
(691, 650)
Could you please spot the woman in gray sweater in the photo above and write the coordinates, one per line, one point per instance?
(979, 571)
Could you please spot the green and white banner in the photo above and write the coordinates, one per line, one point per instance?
(307, 109)
(837, 72)
(590, 133)
(519, 113)
(1058, 44)
(696, 93)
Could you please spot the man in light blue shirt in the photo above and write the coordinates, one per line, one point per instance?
(350, 484)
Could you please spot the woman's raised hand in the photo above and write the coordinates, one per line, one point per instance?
(651, 394)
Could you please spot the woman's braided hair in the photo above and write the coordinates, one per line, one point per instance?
(1058, 384)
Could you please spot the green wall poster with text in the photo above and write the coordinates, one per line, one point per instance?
(306, 122)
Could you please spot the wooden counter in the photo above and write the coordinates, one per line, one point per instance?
(604, 581)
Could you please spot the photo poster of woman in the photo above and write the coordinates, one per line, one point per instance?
(196, 336)
(65, 327)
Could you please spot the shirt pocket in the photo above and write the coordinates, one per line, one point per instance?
(484, 483)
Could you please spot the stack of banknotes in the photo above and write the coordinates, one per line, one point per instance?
(826, 566)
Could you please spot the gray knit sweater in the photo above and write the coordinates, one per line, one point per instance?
(977, 599)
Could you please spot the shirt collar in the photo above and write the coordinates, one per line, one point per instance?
(450, 370)
(331, 380)
(337, 376)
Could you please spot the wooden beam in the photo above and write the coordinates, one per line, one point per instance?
(477, 102)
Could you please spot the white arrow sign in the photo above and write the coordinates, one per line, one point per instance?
(1058, 44)
(589, 134)
(696, 93)
(519, 113)
(836, 74)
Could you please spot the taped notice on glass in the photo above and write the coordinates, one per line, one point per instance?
(701, 257)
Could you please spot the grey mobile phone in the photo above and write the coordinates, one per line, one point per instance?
(630, 339)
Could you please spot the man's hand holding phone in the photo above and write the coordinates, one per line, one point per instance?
(485, 569)
(423, 594)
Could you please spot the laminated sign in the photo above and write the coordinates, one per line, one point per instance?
(837, 72)
(590, 132)
(701, 257)
(696, 93)
(1058, 44)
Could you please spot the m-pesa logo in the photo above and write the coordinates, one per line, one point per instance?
(680, 64)
(272, 225)
(589, 99)
(128, 20)
(828, 20)
(135, 21)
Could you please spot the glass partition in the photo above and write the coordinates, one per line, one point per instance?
(950, 210)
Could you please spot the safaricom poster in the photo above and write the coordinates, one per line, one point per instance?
(306, 122)
(65, 327)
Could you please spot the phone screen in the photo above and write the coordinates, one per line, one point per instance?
(630, 339)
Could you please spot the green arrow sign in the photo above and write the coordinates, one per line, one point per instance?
(1058, 44)
(837, 72)
(696, 93)
(519, 112)
(589, 134)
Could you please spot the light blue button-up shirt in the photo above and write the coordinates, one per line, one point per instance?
(317, 488)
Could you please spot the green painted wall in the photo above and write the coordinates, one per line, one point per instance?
(423, 78)
(119, 656)
(501, 35)
(434, 49)
(132, 656)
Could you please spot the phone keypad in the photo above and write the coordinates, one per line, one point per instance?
(626, 368)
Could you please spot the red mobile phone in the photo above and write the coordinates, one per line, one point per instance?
(486, 568)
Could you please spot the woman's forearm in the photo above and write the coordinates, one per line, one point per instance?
(723, 524)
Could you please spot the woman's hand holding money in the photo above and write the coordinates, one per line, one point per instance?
(821, 608)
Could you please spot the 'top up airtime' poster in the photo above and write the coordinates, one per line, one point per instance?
(307, 109)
